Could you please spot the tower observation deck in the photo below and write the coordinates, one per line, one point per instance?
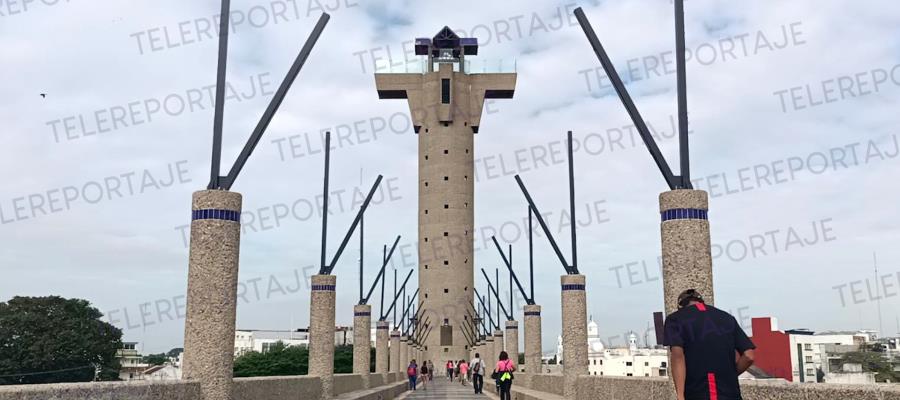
(445, 105)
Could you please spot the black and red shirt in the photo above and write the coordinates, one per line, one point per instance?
(709, 337)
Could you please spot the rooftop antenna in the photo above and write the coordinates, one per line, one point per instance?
(877, 294)
(225, 182)
(571, 269)
(674, 182)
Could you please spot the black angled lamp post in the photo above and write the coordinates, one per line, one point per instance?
(572, 285)
(215, 240)
(686, 256)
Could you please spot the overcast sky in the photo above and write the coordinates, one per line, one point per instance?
(794, 133)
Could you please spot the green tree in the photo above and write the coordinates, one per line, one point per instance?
(873, 362)
(52, 339)
(343, 359)
(283, 360)
(155, 359)
(278, 360)
(174, 353)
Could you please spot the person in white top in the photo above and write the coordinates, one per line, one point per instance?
(477, 367)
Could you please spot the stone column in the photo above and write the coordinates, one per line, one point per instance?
(382, 363)
(212, 292)
(498, 344)
(395, 352)
(574, 331)
(533, 346)
(362, 341)
(686, 256)
(490, 359)
(404, 352)
(512, 341)
(321, 331)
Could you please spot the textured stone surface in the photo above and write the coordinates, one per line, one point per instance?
(277, 388)
(574, 331)
(177, 390)
(512, 341)
(321, 331)
(686, 257)
(362, 341)
(346, 383)
(488, 353)
(446, 193)
(541, 387)
(533, 350)
(382, 357)
(550, 383)
(395, 351)
(212, 296)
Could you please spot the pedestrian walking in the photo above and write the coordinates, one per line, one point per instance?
(477, 367)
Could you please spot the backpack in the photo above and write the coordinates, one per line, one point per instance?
(424, 370)
(476, 368)
(411, 371)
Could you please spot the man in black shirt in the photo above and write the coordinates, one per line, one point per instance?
(708, 348)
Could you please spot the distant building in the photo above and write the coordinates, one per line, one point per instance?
(247, 340)
(132, 366)
(260, 341)
(630, 361)
(801, 355)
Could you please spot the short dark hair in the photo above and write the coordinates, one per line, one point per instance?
(477, 355)
(504, 356)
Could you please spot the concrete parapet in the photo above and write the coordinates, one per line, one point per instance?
(362, 341)
(512, 341)
(321, 331)
(212, 292)
(686, 255)
(533, 346)
(574, 330)
(395, 352)
(382, 357)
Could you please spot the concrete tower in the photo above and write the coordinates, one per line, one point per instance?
(446, 103)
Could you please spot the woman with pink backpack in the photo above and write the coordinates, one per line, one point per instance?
(503, 373)
(412, 371)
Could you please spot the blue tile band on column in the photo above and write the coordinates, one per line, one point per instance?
(684, 213)
(323, 288)
(572, 287)
(512, 327)
(532, 313)
(224, 215)
(362, 314)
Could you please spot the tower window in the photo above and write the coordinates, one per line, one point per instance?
(445, 91)
(446, 178)
(446, 262)
(446, 206)
(446, 290)
(426, 183)
(426, 239)
(446, 233)
(426, 156)
(446, 151)
(426, 211)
